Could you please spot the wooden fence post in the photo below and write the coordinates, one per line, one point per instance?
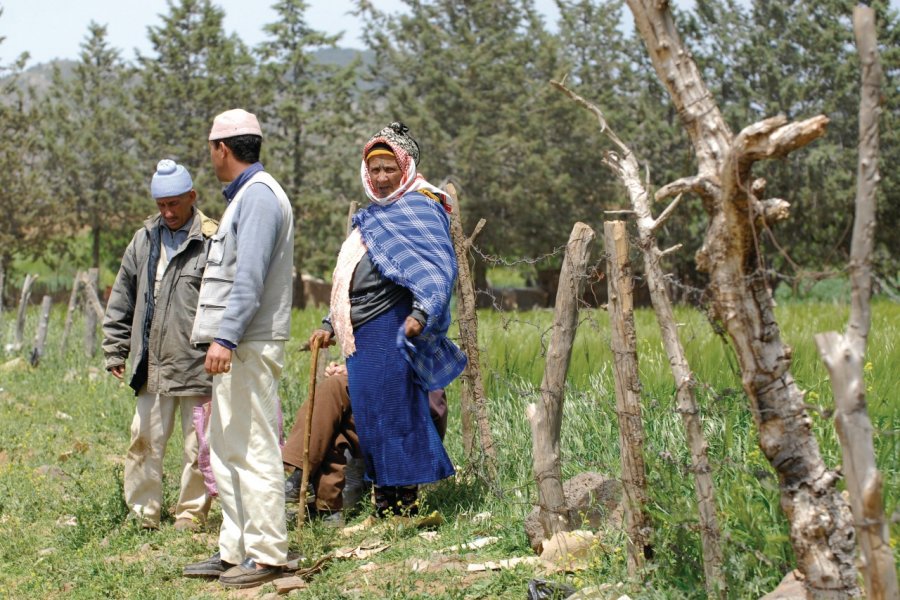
(546, 416)
(628, 394)
(93, 312)
(77, 283)
(41, 336)
(473, 405)
(844, 355)
(23, 306)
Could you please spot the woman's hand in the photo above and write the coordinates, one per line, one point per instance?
(412, 327)
(324, 337)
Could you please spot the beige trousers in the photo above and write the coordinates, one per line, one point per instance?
(154, 419)
(244, 432)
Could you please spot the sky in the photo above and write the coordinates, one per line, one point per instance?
(50, 29)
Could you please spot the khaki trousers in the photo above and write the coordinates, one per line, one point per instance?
(244, 431)
(154, 419)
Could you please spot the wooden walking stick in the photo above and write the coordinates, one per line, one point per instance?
(310, 404)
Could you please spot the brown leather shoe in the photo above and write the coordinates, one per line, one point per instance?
(213, 566)
(247, 575)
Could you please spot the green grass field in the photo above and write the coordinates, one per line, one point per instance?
(64, 430)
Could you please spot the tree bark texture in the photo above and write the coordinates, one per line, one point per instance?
(821, 528)
(41, 336)
(545, 416)
(844, 356)
(93, 312)
(70, 310)
(625, 165)
(473, 403)
(623, 339)
(24, 299)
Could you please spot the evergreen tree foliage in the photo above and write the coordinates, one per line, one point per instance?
(92, 167)
(311, 117)
(195, 72)
(472, 82)
(25, 204)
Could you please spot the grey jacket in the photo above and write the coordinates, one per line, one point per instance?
(249, 299)
(156, 332)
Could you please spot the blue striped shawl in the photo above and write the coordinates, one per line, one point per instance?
(409, 242)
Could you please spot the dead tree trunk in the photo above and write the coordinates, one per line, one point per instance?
(77, 283)
(623, 340)
(24, 299)
(821, 530)
(546, 416)
(93, 312)
(626, 168)
(844, 356)
(473, 404)
(41, 336)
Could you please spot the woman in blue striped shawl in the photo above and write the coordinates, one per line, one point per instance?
(390, 313)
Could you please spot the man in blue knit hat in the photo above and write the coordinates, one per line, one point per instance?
(148, 318)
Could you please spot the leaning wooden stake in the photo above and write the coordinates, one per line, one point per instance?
(41, 336)
(821, 527)
(546, 416)
(623, 339)
(473, 403)
(625, 165)
(23, 306)
(844, 355)
(93, 312)
(77, 284)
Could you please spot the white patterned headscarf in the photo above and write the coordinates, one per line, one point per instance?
(406, 151)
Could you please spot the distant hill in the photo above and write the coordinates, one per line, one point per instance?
(40, 76)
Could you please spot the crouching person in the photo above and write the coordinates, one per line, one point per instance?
(149, 318)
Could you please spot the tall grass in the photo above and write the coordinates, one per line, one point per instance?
(64, 429)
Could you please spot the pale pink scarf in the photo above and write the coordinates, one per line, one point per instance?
(352, 251)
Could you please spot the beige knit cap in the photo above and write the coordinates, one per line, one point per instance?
(234, 122)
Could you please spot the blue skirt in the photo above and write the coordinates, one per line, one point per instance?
(399, 441)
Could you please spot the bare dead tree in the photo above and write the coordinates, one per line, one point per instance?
(625, 165)
(473, 402)
(844, 355)
(623, 342)
(821, 529)
(545, 416)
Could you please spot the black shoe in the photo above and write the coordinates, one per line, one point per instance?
(292, 487)
(211, 567)
(396, 500)
(246, 575)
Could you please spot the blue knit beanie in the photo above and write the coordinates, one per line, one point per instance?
(170, 180)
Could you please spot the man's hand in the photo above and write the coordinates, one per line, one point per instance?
(117, 371)
(412, 327)
(334, 368)
(218, 359)
(325, 338)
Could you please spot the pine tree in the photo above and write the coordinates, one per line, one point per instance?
(312, 145)
(89, 136)
(472, 82)
(25, 204)
(194, 72)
